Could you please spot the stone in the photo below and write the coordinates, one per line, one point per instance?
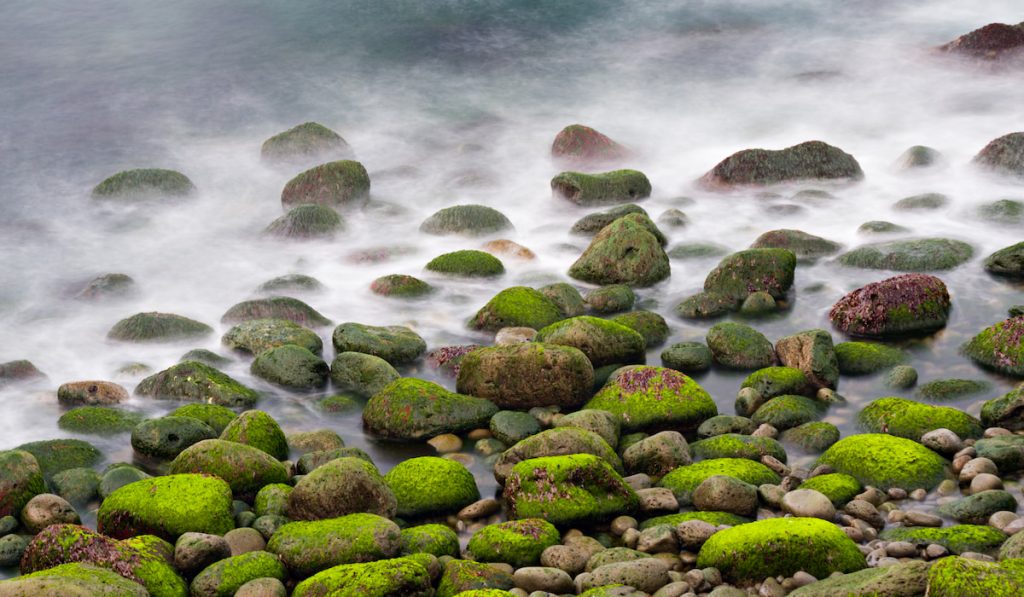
(624, 252)
(806, 247)
(91, 393)
(398, 345)
(907, 304)
(1004, 155)
(721, 493)
(651, 398)
(885, 461)
(808, 503)
(305, 144)
(307, 221)
(144, 184)
(581, 146)
(414, 409)
(306, 548)
(431, 485)
(811, 160)
(468, 263)
(292, 367)
(526, 375)
(739, 346)
(517, 306)
(600, 189)
(197, 382)
(466, 220)
(158, 327)
(911, 419)
(917, 255)
(342, 183)
(603, 342)
(275, 307)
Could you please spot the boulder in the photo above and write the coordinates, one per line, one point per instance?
(907, 304)
(518, 306)
(341, 486)
(589, 190)
(398, 345)
(910, 419)
(739, 346)
(431, 485)
(811, 160)
(918, 255)
(257, 335)
(306, 548)
(197, 382)
(275, 307)
(155, 507)
(467, 263)
(144, 183)
(518, 543)
(305, 144)
(806, 247)
(522, 376)
(652, 398)
(414, 409)
(581, 146)
(246, 469)
(466, 220)
(886, 461)
(623, 252)
(158, 327)
(604, 342)
(343, 184)
(999, 347)
(1007, 262)
(400, 286)
(307, 221)
(291, 366)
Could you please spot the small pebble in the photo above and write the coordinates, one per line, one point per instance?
(996, 431)
(934, 551)
(802, 579)
(915, 518)
(901, 549)
(623, 523)
(975, 467)
(446, 443)
(985, 481)
(479, 509)
(919, 494)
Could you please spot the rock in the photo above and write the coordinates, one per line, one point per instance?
(567, 490)
(225, 577)
(907, 304)
(811, 160)
(697, 250)
(311, 461)
(307, 221)
(688, 357)
(398, 345)
(905, 579)
(901, 377)
(509, 426)
(758, 303)
(627, 251)
(466, 220)
(539, 578)
(1007, 262)
(706, 305)
(658, 454)
(721, 493)
(195, 551)
(814, 437)
(910, 419)
(925, 201)
(465, 577)
(999, 347)
(778, 381)
(653, 398)
(257, 429)
(839, 488)
(207, 357)
(647, 575)
(648, 324)
(306, 548)
(881, 227)
(566, 297)
(468, 263)
(339, 487)
(560, 441)
(258, 335)
(963, 577)
(518, 306)
(1004, 411)
(45, 509)
(413, 409)
(77, 485)
(978, 507)
(361, 373)
(431, 485)
(600, 189)
(1002, 211)
(722, 424)
(673, 218)
(19, 371)
(754, 270)
(611, 299)
(886, 461)
(860, 358)
(961, 538)
(919, 255)
(591, 224)
(739, 346)
(401, 576)
(951, 389)
(400, 286)
(734, 445)
(275, 307)
(780, 547)
(289, 283)
(343, 183)
(107, 287)
(806, 247)
(808, 503)
(90, 393)
(166, 437)
(784, 412)
(437, 539)
(603, 342)
(192, 380)
(154, 506)
(307, 143)
(918, 157)
(98, 420)
(292, 367)
(216, 416)
(262, 587)
(522, 376)
(991, 42)
(942, 441)
(143, 184)
(685, 479)
(157, 327)
(52, 456)
(601, 422)
(582, 146)
(516, 542)
(245, 468)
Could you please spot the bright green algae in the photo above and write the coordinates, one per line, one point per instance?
(685, 479)
(886, 461)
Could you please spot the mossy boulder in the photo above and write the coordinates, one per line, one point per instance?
(813, 353)
(341, 486)
(814, 437)
(1002, 211)
(806, 247)
(525, 375)
(648, 324)
(838, 487)
(343, 183)
(652, 398)
(98, 420)
(275, 307)
(738, 346)
(905, 578)
(708, 516)
(963, 577)
(657, 455)
(734, 445)
(21, 479)
(306, 143)
(257, 429)
(907, 304)
(601, 422)
(118, 476)
(978, 507)
(688, 357)
(917, 157)
(311, 461)
(56, 455)
(560, 441)
(76, 485)
(197, 382)
(383, 578)
(225, 577)
(566, 297)
(706, 305)
(414, 409)
(291, 283)
(395, 344)
(257, 335)
(1005, 411)
(785, 412)
(957, 539)
(697, 250)
(886, 461)
(611, 299)
(167, 507)
(144, 183)
(1007, 262)
(19, 371)
(581, 145)
(810, 160)
(685, 479)
(166, 437)
(1005, 155)
(518, 543)
(205, 356)
(922, 202)
(400, 286)
(272, 499)
(431, 485)
(435, 539)
(600, 189)
(777, 381)
(604, 342)
(781, 547)
(466, 220)
(721, 424)
(624, 252)
(291, 366)
(754, 270)
(918, 255)
(214, 415)
(942, 390)
(307, 221)
(910, 419)
(108, 287)
(591, 224)
(244, 468)
(518, 306)
(567, 490)
(361, 373)
(309, 547)
(73, 580)
(861, 358)
(467, 263)
(999, 347)
(158, 327)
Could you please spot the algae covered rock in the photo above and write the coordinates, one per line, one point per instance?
(611, 299)
(903, 579)
(414, 409)
(309, 142)
(383, 578)
(624, 252)
(21, 479)
(999, 347)
(525, 375)
(436, 539)
(518, 543)
(342, 486)
(886, 461)
(951, 389)
(734, 445)
(907, 304)
(978, 507)
(781, 547)
(777, 381)
(343, 183)
(158, 327)
(431, 485)
(361, 373)
(98, 420)
(910, 419)
(144, 183)
(648, 324)
(257, 429)
(306, 548)
(581, 145)
(604, 342)
(225, 577)
(957, 539)
(1004, 155)
(398, 345)
(73, 580)
(566, 297)
(919, 255)
(739, 346)
(963, 577)
(1008, 261)
(806, 247)
(467, 263)
(108, 287)
(56, 455)
(688, 357)
(754, 270)
(646, 398)
(195, 381)
(518, 306)
(810, 160)
(600, 189)
(166, 437)
(299, 283)
(275, 307)
(167, 507)
(685, 479)
(400, 286)
(214, 415)
(560, 441)
(706, 305)
(307, 221)
(591, 224)
(1005, 411)
(257, 335)
(244, 468)
(785, 412)
(19, 371)
(291, 366)
(658, 454)
(814, 437)
(860, 358)
(838, 487)
(466, 220)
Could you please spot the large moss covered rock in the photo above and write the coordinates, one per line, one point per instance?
(309, 142)
(245, 468)
(431, 485)
(579, 145)
(788, 411)
(518, 543)
(166, 437)
(73, 580)
(216, 416)
(652, 398)
(467, 263)
(905, 579)
(370, 579)
(275, 307)
(466, 220)
(963, 577)
(435, 539)
(1008, 261)
(600, 189)
(197, 382)
(1006, 411)
(734, 445)
(395, 344)
(738, 346)
(361, 373)
(525, 375)
(591, 224)
(810, 160)
(907, 304)
(685, 479)
(400, 286)
(291, 366)
(561, 441)
(569, 300)
(225, 577)
(21, 479)
(604, 342)
(56, 455)
(648, 324)
(414, 409)
(167, 507)
(307, 221)
(1004, 155)
(910, 419)
(567, 490)
(813, 353)
(860, 358)
(144, 183)
(957, 539)
(342, 486)
(806, 247)
(624, 252)
(999, 347)
(518, 306)
(257, 429)
(743, 273)
(781, 547)
(920, 255)
(158, 327)
(309, 547)
(257, 335)
(98, 420)
(343, 183)
(886, 461)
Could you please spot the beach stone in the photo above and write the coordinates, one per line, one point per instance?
(603, 188)
(166, 437)
(466, 220)
(806, 247)
(144, 184)
(624, 252)
(603, 342)
(397, 345)
(307, 221)
(911, 419)
(739, 346)
(647, 575)
(907, 304)
(652, 398)
(721, 493)
(688, 357)
(307, 143)
(91, 393)
(658, 454)
(245, 468)
(885, 461)
(560, 441)
(45, 509)
(917, 255)
(341, 486)
(808, 503)
(306, 548)
(342, 183)
(581, 146)
(601, 422)
(811, 160)
(522, 376)
(414, 409)
(1005, 155)
(430, 485)
(197, 382)
(517, 306)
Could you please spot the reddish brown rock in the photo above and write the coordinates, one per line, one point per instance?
(991, 42)
(91, 393)
(579, 146)
(907, 304)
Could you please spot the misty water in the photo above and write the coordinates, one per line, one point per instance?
(449, 103)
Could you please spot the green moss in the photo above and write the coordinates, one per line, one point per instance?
(307, 221)
(466, 220)
(395, 344)
(905, 578)
(56, 455)
(216, 416)
(259, 430)
(739, 346)
(566, 298)
(999, 347)
(224, 578)
(21, 479)
(272, 499)
(706, 305)
(413, 409)
(193, 380)
(597, 189)
(340, 404)
(77, 485)
(814, 437)
(144, 183)
(777, 381)
(559, 441)
(400, 286)
(909, 419)
(653, 398)
(98, 420)
(745, 272)
(734, 445)
(710, 517)
(962, 577)
(245, 468)
(604, 342)
(957, 538)
(837, 487)
(886, 461)
(117, 477)
(167, 507)
(859, 358)
(648, 324)
(157, 327)
(292, 367)
(468, 263)
(257, 335)
(436, 539)
(785, 412)
(518, 306)
(341, 486)
(465, 575)
(384, 578)
(526, 375)
(430, 485)
(951, 389)
(627, 251)
(978, 507)
(685, 479)
(516, 542)
(309, 140)
(166, 437)
(310, 547)
(611, 299)
(275, 307)
(74, 579)
(780, 547)
(343, 183)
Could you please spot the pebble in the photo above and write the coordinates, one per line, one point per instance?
(765, 430)
(262, 587)
(985, 481)
(727, 591)
(1014, 527)
(897, 493)
(693, 533)
(446, 443)
(45, 509)
(919, 494)
(647, 575)
(854, 534)
(808, 503)
(479, 509)
(829, 396)
(630, 538)
(658, 539)
(915, 518)
(775, 464)
(479, 434)
(639, 481)
(975, 467)
(564, 557)
(901, 549)
(947, 487)
(821, 469)
(673, 589)
(802, 579)
(864, 510)
(934, 551)
(517, 335)
(995, 431)
(657, 499)
(872, 496)
(623, 523)
(1001, 519)
(942, 441)
(542, 578)
(725, 494)
(244, 540)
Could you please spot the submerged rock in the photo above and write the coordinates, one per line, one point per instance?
(598, 189)
(466, 220)
(591, 224)
(146, 183)
(806, 247)
(275, 307)
(157, 327)
(624, 252)
(307, 221)
(921, 255)
(925, 201)
(907, 304)
(991, 42)
(344, 184)
(1004, 155)
(1007, 262)
(107, 287)
(578, 145)
(19, 371)
(999, 347)
(811, 160)
(291, 283)
(307, 143)
(918, 157)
